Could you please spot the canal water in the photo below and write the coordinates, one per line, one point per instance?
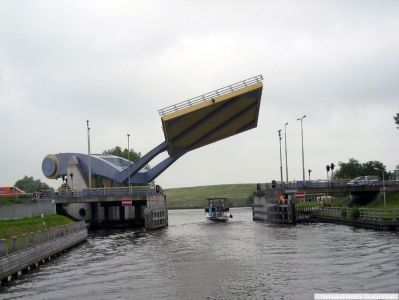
(192, 259)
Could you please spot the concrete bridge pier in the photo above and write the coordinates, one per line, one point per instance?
(147, 210)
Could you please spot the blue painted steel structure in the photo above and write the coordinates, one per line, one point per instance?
(109, 166)
(202, 121)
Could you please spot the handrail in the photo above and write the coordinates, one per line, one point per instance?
(317, 184)
(208, 96)
(364, 213)
(19, 243)
(95, 192)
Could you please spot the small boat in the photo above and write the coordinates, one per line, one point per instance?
(217, 210)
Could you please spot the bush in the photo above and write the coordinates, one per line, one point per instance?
(355, 213)
(343, 212)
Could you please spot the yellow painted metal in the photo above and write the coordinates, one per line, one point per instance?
(212, 120)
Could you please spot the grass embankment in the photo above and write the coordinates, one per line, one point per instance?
(392, 201)
(10, 201)
(196, 197)
(10, 228)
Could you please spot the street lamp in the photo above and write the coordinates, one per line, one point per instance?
(303, 156)
(281, 160)
(286, 159)
(128, 157)
(384, 188)
(88, 150)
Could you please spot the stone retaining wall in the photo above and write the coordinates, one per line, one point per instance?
(34, 209)
(27, 251)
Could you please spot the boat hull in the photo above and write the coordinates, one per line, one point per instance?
(219, 219)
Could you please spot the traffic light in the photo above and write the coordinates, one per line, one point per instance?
(273, 184)
(332, 166)
(328, 168)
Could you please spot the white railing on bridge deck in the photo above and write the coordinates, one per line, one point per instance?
(208, 96)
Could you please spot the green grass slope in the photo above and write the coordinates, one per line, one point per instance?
(196, 197)
(392, 201)
(9, 228)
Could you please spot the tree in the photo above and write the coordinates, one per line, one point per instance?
(374, 168)
(353, 168)
(133, 156)
(117, 151)
(348, 170)
(31, 185)
(396, 118)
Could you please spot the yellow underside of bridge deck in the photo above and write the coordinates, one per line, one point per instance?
(212, 120)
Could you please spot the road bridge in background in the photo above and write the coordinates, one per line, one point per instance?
(321, 186)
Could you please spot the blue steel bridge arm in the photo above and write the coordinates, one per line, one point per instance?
(154, 172)
(141, 163)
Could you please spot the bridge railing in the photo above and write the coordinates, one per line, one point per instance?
(99, 192)
(208, 96)
(19, 243)
(317, 184)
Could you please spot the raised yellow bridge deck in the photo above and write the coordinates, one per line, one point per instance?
(212, 117)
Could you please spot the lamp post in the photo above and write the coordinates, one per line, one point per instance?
(383, 187)
(88, 150)
(281, 159)
(303, 156)
(286, 159)
(128, 157)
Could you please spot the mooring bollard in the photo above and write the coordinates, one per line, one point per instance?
(31, 239)
(14, 244)
(46, 235)
(38, 237)
(3, 248)
(24, 241)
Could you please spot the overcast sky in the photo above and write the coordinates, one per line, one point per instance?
(117, 62)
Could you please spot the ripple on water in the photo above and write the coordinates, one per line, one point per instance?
(192, 259)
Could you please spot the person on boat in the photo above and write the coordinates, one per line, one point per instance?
(281, 199)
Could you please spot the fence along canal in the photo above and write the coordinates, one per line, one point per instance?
(19, 255)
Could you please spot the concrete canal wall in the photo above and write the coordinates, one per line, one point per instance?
(268, 209)
(33, 209)
(369, 218)
(26, 252)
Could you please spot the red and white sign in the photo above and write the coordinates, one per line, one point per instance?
(300, 195)
(126, 202)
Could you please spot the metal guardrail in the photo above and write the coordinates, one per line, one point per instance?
(317, 184)
(15, 195)
(100, 192)
(24, 241)
(208, 96)
(367, 214)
